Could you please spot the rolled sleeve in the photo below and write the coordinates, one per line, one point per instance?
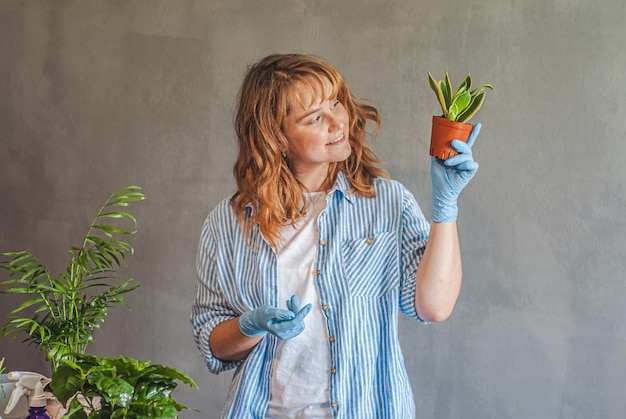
(415, 231)
(210, 307)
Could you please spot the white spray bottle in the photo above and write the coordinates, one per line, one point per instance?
(32, 385)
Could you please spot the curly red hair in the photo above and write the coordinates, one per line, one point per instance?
(264, 180)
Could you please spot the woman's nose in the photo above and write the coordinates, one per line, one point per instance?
(333, 123)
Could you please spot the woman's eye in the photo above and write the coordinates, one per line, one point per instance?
(315, 120)
(335, 104)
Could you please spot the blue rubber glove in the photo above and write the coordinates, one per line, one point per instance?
(450, 176)
(284, 324)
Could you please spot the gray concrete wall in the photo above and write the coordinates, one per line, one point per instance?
(95, 95)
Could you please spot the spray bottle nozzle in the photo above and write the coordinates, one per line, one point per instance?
(29, 384)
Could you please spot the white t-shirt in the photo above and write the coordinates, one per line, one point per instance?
(301, 368)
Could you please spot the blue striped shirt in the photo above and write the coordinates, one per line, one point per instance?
(368, 252)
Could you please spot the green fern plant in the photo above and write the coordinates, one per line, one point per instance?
(462, 104)
(63, 311)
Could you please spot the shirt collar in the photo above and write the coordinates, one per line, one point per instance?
(343, 187)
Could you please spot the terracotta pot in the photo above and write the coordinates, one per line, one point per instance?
(443, 132)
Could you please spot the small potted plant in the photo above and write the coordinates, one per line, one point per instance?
(458, 107)
(92, 387)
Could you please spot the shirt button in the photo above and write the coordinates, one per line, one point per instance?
(318, 272)
(333, 371)
(369, 240)
(323, 213)
(331, 339)
(323, 242)
(325, 307)
(334, 405)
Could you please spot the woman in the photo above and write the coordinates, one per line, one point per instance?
(316, 221)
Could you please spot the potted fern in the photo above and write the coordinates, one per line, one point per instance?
(458, 107)
(63, 311)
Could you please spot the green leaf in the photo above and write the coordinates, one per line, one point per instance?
(480, 88)
(448, 89)
(446, 93)
(159, 408)
(114, 389)
(57, 286)
(459, 92)
(125, 200)
(472, 108)
(16, 290)
(21, 262)
(19, 256)
(172, 373)
(129, 190)
(33, 328)
(65, 383)
(13, 253)
(33, 274)
(438, 92)
(458, 105)
(466, 84)
(109, 230)
(26, 304)
(118, 215)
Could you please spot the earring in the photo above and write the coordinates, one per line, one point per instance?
(284, 154)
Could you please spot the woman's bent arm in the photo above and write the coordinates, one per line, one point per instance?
(439, 274)
(229, 344)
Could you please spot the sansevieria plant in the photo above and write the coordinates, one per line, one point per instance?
(458, 106)
(462, 104)
(64, 310)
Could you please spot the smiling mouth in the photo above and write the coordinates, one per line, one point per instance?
(337, 140)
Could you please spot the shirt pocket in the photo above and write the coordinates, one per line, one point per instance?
(370, 264)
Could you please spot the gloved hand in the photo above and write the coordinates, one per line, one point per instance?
(450, 176)
(285, 324)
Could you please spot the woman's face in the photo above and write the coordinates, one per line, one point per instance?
(317, 130)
